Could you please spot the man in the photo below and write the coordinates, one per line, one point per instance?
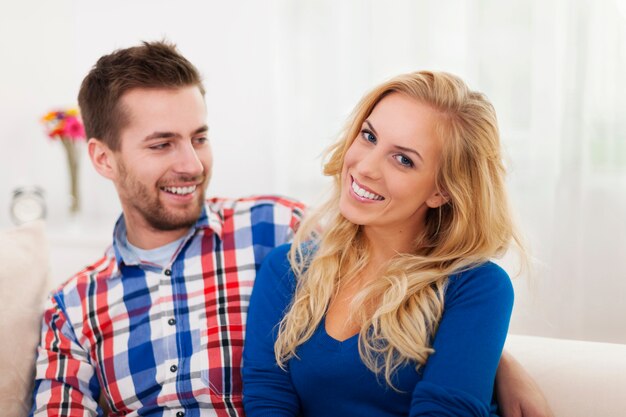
(156, 326)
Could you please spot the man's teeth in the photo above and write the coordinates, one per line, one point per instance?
(365, 194)
(180, 190)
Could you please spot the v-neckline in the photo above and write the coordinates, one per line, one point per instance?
(331, 341)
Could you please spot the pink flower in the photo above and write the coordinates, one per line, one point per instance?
(64, 124)
(74, 129)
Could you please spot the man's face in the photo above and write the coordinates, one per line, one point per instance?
(164, 162)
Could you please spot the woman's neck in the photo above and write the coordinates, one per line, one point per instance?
(385, 244)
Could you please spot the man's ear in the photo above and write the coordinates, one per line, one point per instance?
(102, 158)
(439, 198)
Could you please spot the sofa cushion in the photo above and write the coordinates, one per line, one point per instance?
(579, 379)
(23, 285)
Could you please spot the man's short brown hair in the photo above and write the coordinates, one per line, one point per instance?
(150, 65)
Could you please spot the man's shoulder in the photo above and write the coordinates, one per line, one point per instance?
(78, 284)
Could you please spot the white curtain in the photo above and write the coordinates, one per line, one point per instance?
(554, 69)
(283, 75)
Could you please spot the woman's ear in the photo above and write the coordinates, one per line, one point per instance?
(102, 158)
(439, 198)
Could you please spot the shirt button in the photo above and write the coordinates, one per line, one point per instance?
(180, 414)
(171, 322)
(173, 368)
(168, 272)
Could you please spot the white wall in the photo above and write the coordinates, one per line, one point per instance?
(47, 50)
(282, 75)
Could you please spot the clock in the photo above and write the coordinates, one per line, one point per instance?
(28, 204)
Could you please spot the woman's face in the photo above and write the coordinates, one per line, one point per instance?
(388, 174)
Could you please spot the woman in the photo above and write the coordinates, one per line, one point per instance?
(394, 309)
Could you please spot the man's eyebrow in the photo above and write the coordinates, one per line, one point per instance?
(161, 135)
(170, 135)
(201, 129)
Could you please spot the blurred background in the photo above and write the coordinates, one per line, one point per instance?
(283, 75)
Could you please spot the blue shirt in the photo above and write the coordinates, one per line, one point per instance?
(160, 340)
(329, 379)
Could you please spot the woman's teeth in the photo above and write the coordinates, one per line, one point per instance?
(365, 194)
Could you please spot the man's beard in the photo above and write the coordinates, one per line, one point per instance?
(148, 205)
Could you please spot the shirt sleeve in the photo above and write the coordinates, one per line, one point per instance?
(458, 377)
(65, 381)
(267, 389)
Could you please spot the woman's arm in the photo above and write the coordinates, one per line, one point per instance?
(458, 378)
(267, 389)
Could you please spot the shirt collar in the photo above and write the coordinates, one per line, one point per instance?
(209, 219)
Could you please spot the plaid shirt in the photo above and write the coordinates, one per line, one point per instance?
(160, 341)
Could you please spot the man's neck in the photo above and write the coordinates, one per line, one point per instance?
(146, 237)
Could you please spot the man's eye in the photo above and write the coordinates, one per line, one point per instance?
(368, 136)
(160, 146)
(201, 141)
(404, 161)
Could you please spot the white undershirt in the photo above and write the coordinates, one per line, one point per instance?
(160, 256)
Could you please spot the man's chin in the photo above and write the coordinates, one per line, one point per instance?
(170, 223)
(170, 220)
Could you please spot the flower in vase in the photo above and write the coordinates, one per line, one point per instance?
(64, 124)
(67, 127)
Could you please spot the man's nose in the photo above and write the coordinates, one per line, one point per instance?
(188, 161)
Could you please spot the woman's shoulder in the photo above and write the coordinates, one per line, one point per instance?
(278, 254)
(276, 269)
(484, 271)
(276, 262)
(485, 278)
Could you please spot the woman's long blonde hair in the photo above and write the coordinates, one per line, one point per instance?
(399, 312)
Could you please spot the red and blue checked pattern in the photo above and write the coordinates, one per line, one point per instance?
(160, 342)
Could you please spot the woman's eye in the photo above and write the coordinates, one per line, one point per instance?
(404, 161)
(368, 136)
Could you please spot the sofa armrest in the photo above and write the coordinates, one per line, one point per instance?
(23, 285)
(579, 379)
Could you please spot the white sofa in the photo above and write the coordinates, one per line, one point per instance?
(23, 285)
(580, 379)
